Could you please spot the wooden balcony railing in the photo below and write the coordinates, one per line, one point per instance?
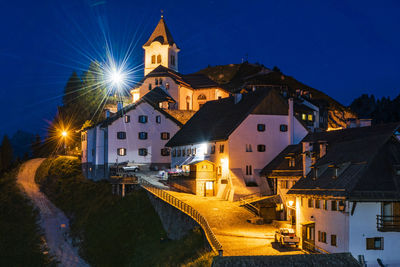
(187, 209)
(388, 223)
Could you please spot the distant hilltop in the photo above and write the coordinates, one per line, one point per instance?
(235, 77)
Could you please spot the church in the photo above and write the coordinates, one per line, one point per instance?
(188, 91)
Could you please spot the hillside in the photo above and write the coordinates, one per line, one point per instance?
(234, 77)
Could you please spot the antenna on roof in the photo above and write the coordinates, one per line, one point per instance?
(162, 13)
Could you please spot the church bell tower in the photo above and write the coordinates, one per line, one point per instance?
(160, 49)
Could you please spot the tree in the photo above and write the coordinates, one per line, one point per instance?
(6, 153)
(72, 91)
(36, 146)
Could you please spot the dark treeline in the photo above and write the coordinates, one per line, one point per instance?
(382, 110)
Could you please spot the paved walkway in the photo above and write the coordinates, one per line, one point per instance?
(51, 218)
(229, 223)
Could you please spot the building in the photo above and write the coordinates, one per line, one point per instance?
(350, 199)
(190, 91)
(136, 134)
(239, 135)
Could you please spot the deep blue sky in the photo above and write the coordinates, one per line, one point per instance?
(344, 48)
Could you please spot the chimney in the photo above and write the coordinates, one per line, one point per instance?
(291, 121)
(120, 105)
(307, 161)
(237, 97)
(107, 111)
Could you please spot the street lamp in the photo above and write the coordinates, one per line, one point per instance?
(64, 135)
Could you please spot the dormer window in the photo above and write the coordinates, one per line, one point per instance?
(314, 173)
(291, 162)
(335, 171)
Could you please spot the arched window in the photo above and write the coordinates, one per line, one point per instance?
(153, 59)
(159, 59)
(160, 81)
(156, 81)
(201, 97)
(188, 103)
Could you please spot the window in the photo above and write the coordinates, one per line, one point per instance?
(333, 240)
(172, 60)
(174, 153)
(283, 128)
(189, 151)
(284, 184)
(301, 202)
(249, 170)
(159, 59)
(325, 204)
(375, 243)
(219, 171)
(188, 103)
(153, 59)
(221, 148)
(317, 203)
(248, 148)
(164, 136)
(121, 151)
(303, 117)
(142, 135)
(310, 117)
(127, 118)
(292, 162)
(143, 119)
(158, 119)
(194, 151)
(179, 152)
(201, 97)
(212, 149)
(333, 205)
(323, 237)
(149, 86)
(121, 135)
(310, 203)
(167, 86)
(319, 236)
(261, 127)
(156, 81)
(261, 148)
(183, 152)
(160, 81)
(142, 151)
(164, 152)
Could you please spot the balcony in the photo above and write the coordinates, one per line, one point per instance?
(388, 223)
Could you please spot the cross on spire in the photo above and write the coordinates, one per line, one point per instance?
(162, 13)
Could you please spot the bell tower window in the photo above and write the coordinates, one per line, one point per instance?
(172, 60)
(159, 59)
(153, 59)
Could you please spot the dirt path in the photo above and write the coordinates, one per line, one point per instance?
(51, 218)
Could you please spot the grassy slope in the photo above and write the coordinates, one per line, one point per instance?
(114, 231)
(20, 238)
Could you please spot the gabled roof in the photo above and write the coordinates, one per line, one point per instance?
(132, 106)
(279, 166)
(161, 34)
(158, 95)
(216, 120)
(194, 81)
(365, 159)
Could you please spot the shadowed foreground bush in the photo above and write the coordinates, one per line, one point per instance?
(113, 231)
(20, 238)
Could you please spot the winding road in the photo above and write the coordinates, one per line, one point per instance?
(52, 220)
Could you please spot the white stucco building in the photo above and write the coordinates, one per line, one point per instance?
(135, 134)
(350, 199)
(239, 135)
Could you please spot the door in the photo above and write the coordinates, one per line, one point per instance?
(308, 237)
(209, 192)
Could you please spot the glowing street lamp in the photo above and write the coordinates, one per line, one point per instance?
(64, 133)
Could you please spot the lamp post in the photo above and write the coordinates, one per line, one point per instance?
(64, 135)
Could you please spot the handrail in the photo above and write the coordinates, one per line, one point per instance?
(187, 209)
(314, 248)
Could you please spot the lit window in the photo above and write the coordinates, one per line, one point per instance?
(283, 128)
(164, 136)
(127, 118)
(221, 148)
(261, 127)
(121, 135)
(375, 243)
(261, 148)
(325, 204)
(292, 162)
(303, 117)
(142, 118)
(142, 135)
(153, 59)
(142, 151)
(164, 152)
(310, 117)
(121, 151)
(194, 151)
(209, 185)
(158, 119)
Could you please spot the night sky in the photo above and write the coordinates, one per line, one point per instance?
(344, 48)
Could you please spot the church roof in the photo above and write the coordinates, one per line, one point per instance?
(195, 80)
(161, 34)
(158, 95)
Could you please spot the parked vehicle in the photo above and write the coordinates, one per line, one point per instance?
(133, 168)
(286, 237)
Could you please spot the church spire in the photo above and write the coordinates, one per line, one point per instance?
(161, 33)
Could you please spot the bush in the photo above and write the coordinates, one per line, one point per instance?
(20, 236)
(113, 231)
